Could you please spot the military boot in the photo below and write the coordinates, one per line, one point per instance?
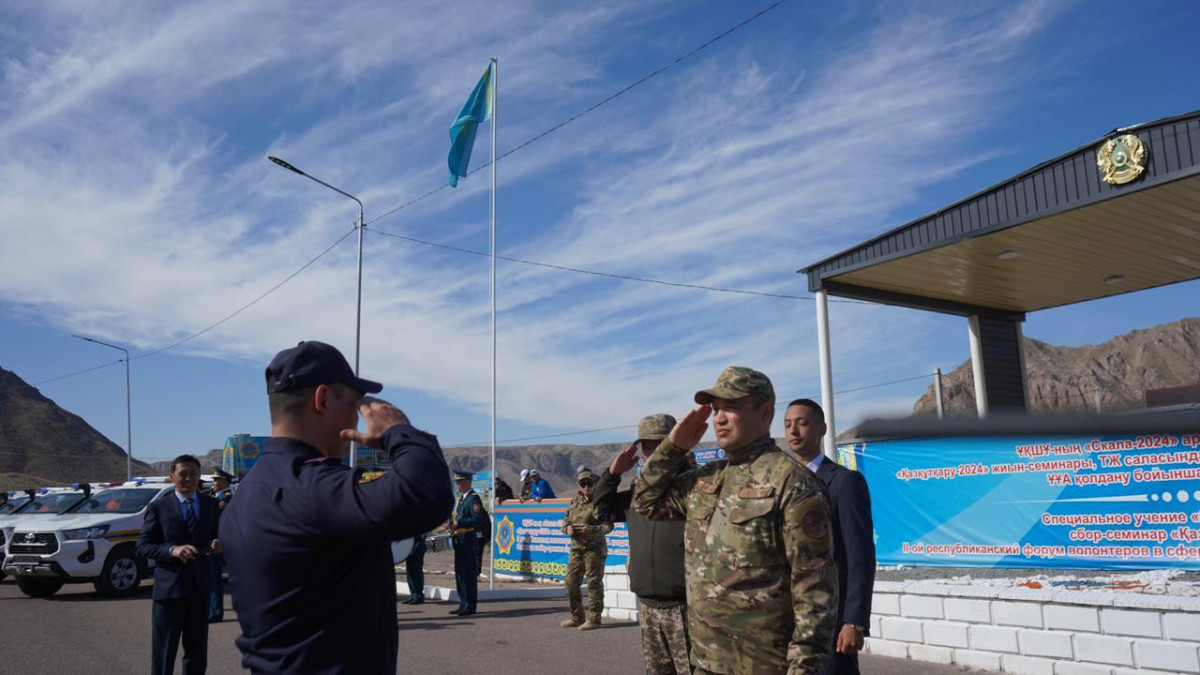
(592, 623)
(570, 623)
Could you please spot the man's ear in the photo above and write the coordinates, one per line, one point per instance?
(320, 400)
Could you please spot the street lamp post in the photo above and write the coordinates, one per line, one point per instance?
(358, 305)
(128, 414)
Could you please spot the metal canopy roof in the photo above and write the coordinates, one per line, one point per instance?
(1067, 236)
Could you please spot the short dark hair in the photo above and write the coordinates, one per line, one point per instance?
(288, 404)
(809, 403)
(184, 459)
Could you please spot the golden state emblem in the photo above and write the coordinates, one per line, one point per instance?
(505, 536)
(1121, 159)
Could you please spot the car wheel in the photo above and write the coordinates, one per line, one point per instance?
(35, 587)
(121, 574)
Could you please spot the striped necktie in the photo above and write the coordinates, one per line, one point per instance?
(189, 515)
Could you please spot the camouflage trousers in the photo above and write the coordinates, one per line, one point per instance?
(586, 563)
(664, 639)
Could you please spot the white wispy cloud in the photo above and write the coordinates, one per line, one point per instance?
(133, 150)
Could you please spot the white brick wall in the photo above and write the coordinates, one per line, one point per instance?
(1020, 631)
(973, 611)
(895, 650)
(1027, 614)
(1072, 668)
(627, 600)
(1026, 665)
(1099, 649)
(946, 634)
(616, 582)
(1045, 643)
(930, 654)
(1182, 626)
(994, 638)
(886, 604)
(921, 606)
(976, 660)
(1170, 656)
(901, 630)
(1072, 617)
(1129, 622)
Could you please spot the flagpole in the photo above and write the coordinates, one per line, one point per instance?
(492, 534)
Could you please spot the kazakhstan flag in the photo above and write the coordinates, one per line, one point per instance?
(475, 111)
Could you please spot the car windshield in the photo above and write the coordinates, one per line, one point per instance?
(117, 500)
(13, 504)
(56, 502)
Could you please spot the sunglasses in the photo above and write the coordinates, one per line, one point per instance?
(585, 483)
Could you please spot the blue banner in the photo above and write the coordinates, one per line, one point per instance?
(1107, 503)
(530, 543)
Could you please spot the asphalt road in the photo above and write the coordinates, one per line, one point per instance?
(77, 632)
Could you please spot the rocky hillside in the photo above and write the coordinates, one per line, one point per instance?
(1063, 379)
(43, 444)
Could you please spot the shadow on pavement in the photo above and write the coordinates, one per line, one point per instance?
(141, 593)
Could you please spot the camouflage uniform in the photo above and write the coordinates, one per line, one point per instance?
(588, 553)
(664, 638)
(762, 587)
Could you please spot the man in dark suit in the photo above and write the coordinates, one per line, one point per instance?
(853, 533)
(179, 533)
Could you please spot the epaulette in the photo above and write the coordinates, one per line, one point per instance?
(368, 476)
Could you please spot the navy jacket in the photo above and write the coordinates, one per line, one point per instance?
(308, 547)
(164, 528)
(853, 541)
(466, 517)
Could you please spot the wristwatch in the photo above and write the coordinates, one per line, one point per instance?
(861, 629)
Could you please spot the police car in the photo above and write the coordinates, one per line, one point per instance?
(93, 541)
(40, 505)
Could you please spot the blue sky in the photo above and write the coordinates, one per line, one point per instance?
(138, 206)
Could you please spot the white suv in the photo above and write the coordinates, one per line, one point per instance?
(94, 541)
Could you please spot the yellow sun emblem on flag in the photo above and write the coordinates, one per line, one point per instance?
(505, 536)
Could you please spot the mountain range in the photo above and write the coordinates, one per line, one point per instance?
(43, 444)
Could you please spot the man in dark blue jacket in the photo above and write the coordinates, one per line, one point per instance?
(178, 534)
(853, 533)
(308, 539)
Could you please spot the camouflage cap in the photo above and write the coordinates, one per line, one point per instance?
(737, 382)
(585, 474)
(655, 427)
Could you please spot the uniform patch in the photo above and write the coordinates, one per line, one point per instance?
(756, 493)
(368, 476)
(814, 524)
(706, 488)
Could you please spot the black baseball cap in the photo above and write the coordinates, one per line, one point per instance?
(311, 363)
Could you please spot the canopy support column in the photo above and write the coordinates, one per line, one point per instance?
(981, 397)
(830, 444)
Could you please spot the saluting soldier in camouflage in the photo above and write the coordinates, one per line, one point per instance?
(761, 582)
(588, 552)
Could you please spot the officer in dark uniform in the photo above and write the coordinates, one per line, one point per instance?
(466, 522)
(222, 491)
(308, 540)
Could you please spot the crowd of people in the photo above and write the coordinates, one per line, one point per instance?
(760, 562)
